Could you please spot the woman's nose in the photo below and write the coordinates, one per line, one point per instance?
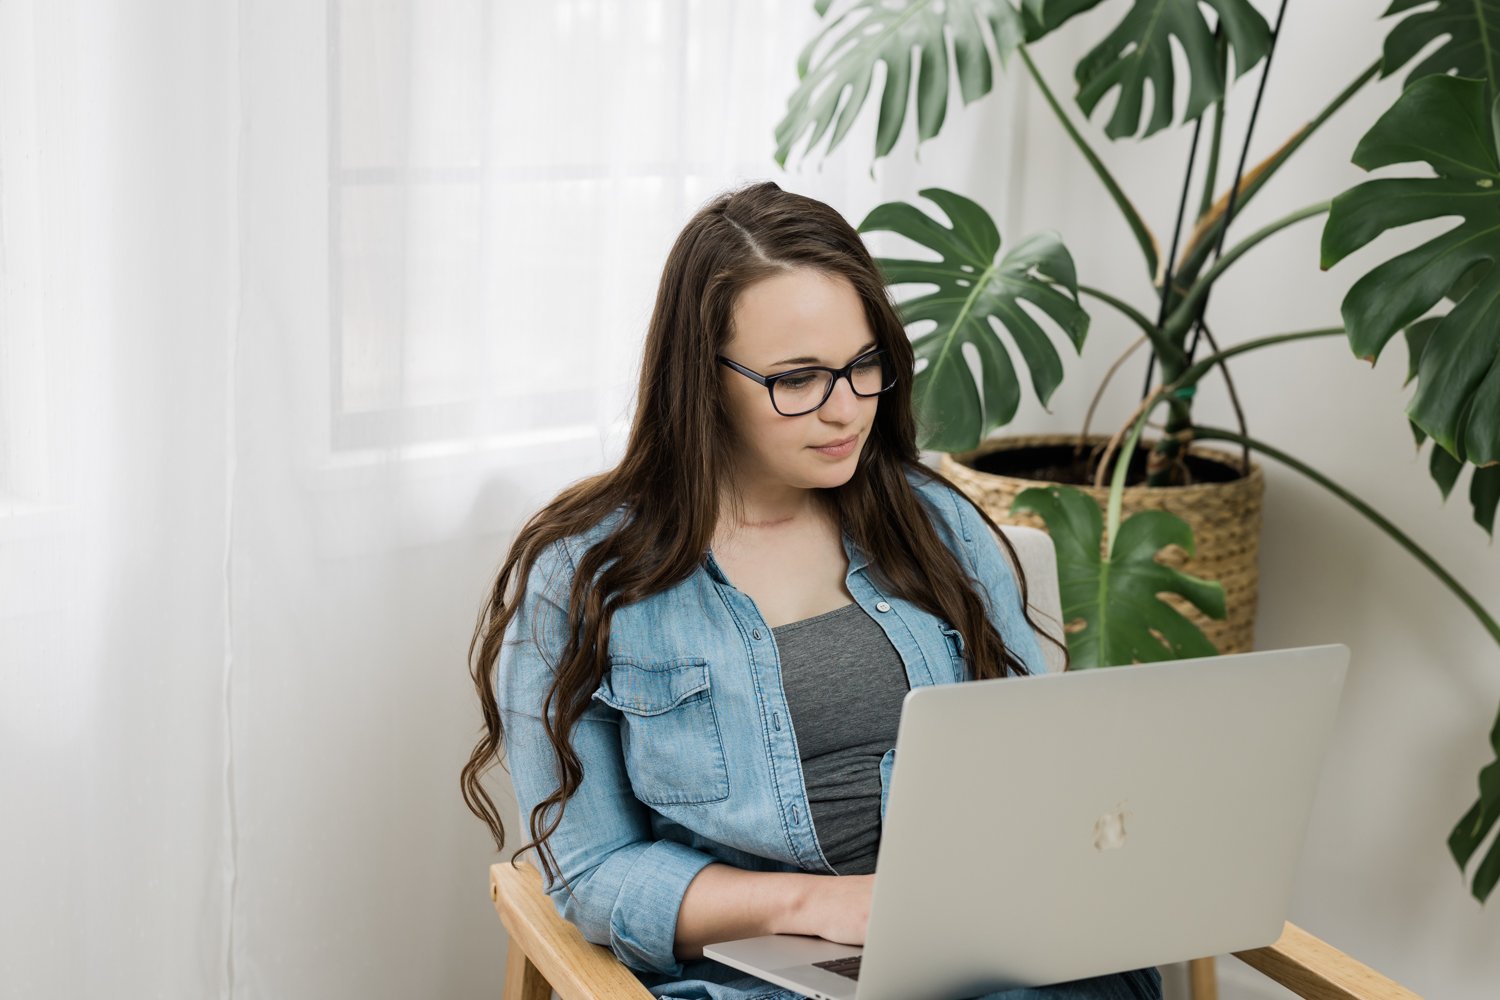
(842, 403)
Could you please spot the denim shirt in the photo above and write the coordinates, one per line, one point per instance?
(687, 746)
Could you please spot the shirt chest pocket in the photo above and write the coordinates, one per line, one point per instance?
(669, 728)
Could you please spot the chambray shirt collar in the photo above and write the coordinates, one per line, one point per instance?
(857, 560)
(712, 565)
(856, 556)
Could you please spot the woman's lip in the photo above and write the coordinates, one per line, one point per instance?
(837, 444)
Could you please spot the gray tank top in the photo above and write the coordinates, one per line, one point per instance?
(844, 684)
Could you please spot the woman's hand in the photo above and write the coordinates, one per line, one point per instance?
(837, 908)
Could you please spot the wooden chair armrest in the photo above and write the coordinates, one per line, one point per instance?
(559, 956)
(1316, 970)
(548, 953)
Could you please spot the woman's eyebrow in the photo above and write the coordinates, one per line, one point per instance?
(816, 361)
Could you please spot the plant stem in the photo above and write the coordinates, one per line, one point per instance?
(1164, 460)
(1163, 346)
(1203, 239)
(1182, 317)
(1117, 481)
(1421, 555)
(1189, 378)
(1214, 153)
(1088, 415)
(1201, 367)
(1216, 140)
(1122, 465)
(1137, 225)
(1234, 395)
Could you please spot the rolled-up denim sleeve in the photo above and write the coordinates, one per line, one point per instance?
(627, 887)
(993, 571)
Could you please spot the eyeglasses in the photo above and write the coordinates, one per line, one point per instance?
(802, 390)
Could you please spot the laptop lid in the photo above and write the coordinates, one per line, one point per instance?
(1051, 828)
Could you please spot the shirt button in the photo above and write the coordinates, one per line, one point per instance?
(755, 634)
(882, 606)
(796, 817)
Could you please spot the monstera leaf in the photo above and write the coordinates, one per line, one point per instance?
(973, 288)
(1477, 822)
(872, 31)
(1446, 122)
(1115, 596)
(1138, 50)
(1484, 485)
(1470, 39)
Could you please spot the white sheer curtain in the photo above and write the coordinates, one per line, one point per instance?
(303, 307)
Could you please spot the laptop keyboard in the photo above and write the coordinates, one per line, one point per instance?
(847, 967)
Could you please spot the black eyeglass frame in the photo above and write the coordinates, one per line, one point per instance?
(846, 372)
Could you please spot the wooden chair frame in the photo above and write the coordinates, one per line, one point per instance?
(548, 953)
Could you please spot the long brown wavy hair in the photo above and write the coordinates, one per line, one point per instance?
(675, 464)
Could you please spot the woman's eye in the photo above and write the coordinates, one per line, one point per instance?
(797, 381)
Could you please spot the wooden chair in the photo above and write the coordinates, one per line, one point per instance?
(548, 953)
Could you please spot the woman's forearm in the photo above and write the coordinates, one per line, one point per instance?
(723, 903)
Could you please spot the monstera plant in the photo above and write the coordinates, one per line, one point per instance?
(1443, 296)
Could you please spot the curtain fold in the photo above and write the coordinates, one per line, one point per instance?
(113, 542)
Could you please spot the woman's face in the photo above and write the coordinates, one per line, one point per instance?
(797, 318)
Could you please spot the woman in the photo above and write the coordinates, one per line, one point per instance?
(698, 684)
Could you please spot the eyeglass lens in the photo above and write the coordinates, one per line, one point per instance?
(801, 393)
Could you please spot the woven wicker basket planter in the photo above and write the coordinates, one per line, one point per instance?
(1224, 517)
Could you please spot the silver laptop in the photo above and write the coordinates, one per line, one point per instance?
(1050, 828)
